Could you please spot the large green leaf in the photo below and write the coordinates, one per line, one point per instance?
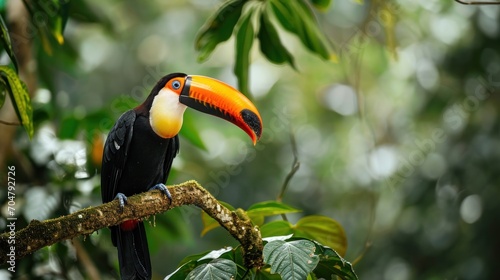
(182, 272)
(308, 11)
(292, 260)
(188, 264)
(258, 211)
(195, 257)
(270, 44)
(290, 15)
(221, 269)
(331, 263)
(323, 229)
(285, 15)
(218, 28)
(276, 228)
(20, 97)
(244, 41)
(7, 44)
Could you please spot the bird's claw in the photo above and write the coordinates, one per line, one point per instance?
(122, 200)
(163, 189)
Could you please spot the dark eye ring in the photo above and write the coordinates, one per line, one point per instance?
(176, 84)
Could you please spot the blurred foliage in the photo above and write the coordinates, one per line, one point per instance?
(290, 15)
(394, 106)
(290, 258)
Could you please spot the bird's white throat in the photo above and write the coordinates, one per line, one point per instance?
(166, 114)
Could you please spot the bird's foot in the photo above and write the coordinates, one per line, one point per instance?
(122, 200)
(163, 189)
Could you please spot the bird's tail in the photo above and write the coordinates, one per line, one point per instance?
(133, 252)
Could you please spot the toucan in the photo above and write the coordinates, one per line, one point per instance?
(141, 146)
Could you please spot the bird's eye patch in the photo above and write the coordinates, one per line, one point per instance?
(176, 84)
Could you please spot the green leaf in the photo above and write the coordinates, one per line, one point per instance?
(260, 210)
(322, 5)
(218, 28)
(290, 15)
(191, 262)
(323, 229)
(309, 12)
(280, 237)
(310, 34)
(216, 269)
(208, 222)
(271, 207)
(331, 263)
(276, 228)
(292, 260)
(244, 41)
(216, 253)
(285, 15)
(270, 44)
(182, 272)
(195, 257)
(20, 97)
(7, 44)
(50, 17)
(191, 132)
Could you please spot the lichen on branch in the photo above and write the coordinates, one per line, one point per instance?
(39, 234)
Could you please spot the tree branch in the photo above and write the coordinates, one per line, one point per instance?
(39, 234)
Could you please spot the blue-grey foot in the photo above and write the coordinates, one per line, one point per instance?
(163, 189)
(122, 200)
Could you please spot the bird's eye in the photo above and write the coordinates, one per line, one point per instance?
(176, 84)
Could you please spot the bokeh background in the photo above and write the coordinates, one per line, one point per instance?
(397, 135)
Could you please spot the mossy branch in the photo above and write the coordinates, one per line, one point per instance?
(39, 234)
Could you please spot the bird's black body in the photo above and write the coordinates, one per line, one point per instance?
(142, 160)
(135, 159)
(141, 146)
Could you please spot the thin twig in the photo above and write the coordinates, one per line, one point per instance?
(9, 123)
(293, 170)
(84, 258)
(477, 2)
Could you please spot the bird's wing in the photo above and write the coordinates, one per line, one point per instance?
(115, 154)
(172, 151)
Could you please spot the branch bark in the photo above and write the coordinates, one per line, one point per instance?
(39, 234)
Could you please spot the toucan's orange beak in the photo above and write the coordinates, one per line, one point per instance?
(219, 99)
